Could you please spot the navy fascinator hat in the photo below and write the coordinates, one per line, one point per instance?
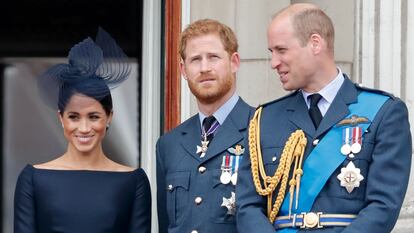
(94, 67)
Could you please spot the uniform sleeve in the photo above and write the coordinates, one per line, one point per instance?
(161, 194)
(388, 173)
(141, 214)
(251, 213)
(24, 207)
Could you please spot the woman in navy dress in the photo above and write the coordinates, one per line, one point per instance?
(83, 191)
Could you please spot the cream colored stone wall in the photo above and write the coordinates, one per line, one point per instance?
(256, 82)
(358, 46)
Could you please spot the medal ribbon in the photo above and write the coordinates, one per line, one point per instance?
(236, 163)
(314, 177)
(211, 130)
(356, 135)
(345, 136)
(225, 164)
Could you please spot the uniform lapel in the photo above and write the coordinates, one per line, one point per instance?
(299, 115)
(346, 95)
(229, 133)
(191, 136)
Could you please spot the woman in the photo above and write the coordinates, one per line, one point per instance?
(83, 191)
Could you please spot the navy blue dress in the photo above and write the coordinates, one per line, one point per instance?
(80, 201)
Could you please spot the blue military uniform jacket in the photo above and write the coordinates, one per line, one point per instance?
(384, 162)
(189, 191)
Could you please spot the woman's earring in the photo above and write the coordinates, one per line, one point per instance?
(107, 127)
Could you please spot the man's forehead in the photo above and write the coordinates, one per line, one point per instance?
(280, 27)
(209, 41)
(207, 36)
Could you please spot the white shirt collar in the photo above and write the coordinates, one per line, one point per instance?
(329, 92)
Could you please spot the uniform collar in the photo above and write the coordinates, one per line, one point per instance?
(222, 113)
(329, 92)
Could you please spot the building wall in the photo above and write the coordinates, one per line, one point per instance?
(249, 20)
(371, 46)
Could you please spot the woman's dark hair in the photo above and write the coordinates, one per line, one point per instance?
(93, 87)
(106, 103)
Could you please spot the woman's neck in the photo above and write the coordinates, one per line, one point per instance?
(94, 159)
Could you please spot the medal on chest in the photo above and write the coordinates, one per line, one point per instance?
(202, 149)
(230, 204)
(350, 176)
(226, 168)
(230, 165)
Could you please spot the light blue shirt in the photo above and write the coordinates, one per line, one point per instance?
(222, 113)
(328, 93)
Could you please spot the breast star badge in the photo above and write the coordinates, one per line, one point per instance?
(230, 204)
(350, 177)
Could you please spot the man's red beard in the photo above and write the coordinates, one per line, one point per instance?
(210, 93)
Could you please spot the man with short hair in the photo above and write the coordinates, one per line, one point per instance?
(329, 157)
(197, 162)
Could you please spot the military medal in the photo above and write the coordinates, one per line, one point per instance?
(237, 151)
(350, 177)
(230, 204)
(346, 141)
(234, 178)
(203, 148)
(356, 140)
(225, 177)
(204, 142)
(226, 168)
(237, 160)
(351, 144)
(235, 169)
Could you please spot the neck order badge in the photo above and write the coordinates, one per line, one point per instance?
(210, 126)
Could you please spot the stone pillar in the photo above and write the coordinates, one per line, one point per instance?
(406, 221)
(150, 118)
(385, 61)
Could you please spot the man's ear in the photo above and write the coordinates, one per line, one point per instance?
(182, 69)
(316, 43)
(235, 62)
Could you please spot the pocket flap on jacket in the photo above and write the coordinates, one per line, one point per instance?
(177, 179)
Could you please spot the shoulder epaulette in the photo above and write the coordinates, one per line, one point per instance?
(279, 99)
(377, 91)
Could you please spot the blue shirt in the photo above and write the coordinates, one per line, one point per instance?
(222, 113)
(328, 93)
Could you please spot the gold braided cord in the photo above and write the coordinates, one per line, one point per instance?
(292, 153)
